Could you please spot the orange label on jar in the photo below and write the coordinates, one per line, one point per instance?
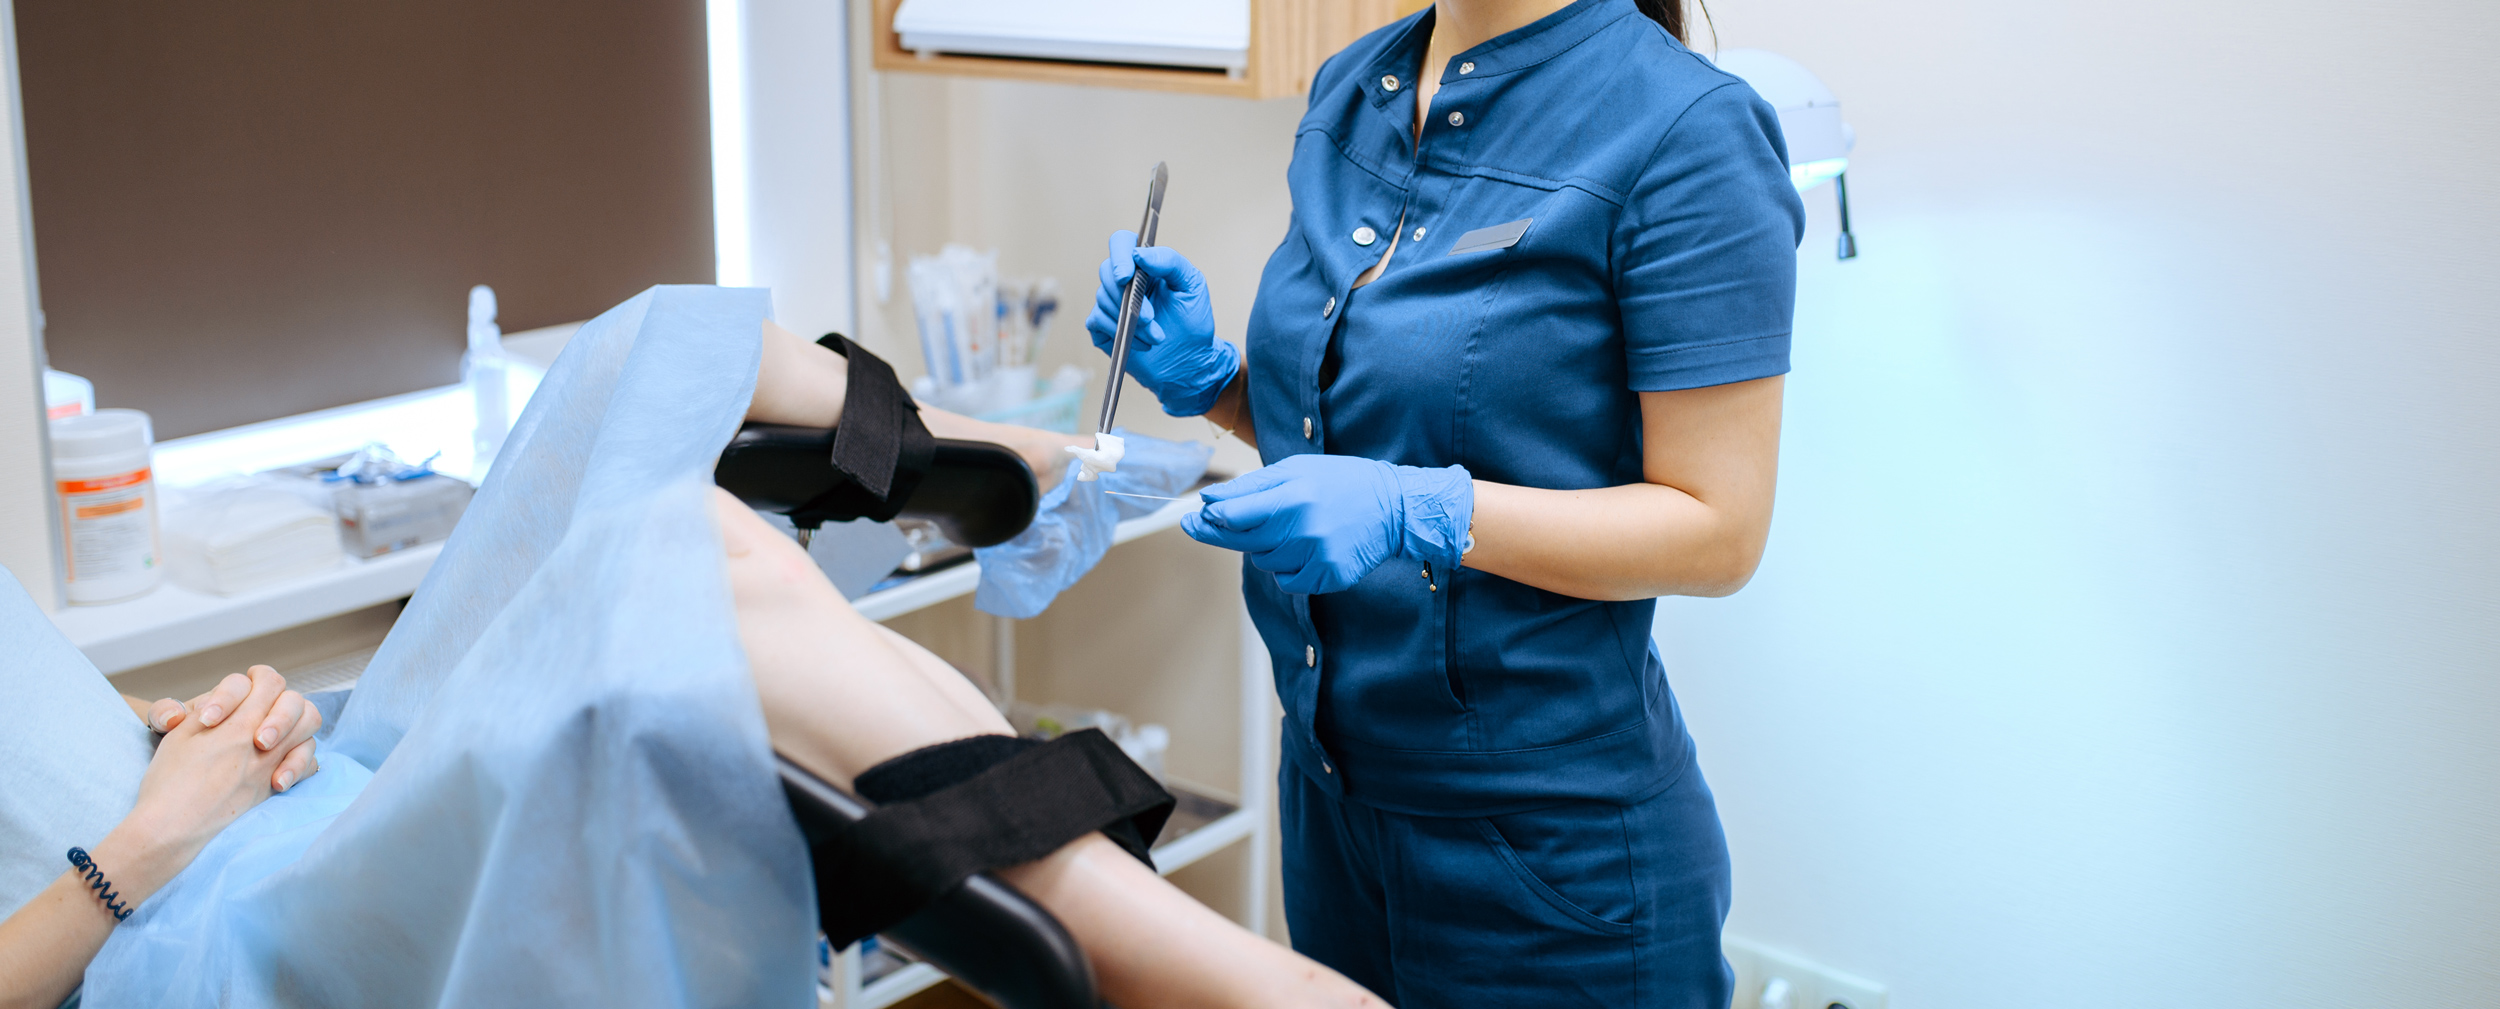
(115, 508)
(104, 483)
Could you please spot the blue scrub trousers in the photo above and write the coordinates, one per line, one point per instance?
(1581, 904)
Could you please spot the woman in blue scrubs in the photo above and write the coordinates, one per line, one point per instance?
(1515, 373)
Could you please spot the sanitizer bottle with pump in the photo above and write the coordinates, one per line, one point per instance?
(483, 369)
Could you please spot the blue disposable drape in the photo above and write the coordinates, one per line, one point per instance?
(571, 798)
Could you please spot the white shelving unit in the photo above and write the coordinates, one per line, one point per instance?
(174, 621)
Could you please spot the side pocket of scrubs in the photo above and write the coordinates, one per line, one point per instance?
(1584, 849)
(1446, 584)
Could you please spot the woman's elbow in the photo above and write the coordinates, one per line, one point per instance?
(1723, 584)
(1717, 573)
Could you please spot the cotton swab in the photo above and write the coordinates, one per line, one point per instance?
(1103, 458)
(1149, 497)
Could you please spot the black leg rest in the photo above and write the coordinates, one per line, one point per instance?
(983, 933)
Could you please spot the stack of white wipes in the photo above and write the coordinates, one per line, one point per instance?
(235, 536)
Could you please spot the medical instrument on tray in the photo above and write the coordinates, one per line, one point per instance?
(1130, 299)
(384, 504)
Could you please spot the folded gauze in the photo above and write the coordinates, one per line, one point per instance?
(571, 799)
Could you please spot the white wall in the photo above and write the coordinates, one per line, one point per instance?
(2130, 633)
(799, 160)
(26, 538)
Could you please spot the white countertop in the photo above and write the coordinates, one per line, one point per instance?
(173, 621)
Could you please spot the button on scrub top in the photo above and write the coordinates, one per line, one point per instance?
(1594, 211)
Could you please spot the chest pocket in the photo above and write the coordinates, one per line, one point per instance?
(1436, 339)
(1478, 241)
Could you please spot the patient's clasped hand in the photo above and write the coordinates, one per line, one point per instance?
(554, 785)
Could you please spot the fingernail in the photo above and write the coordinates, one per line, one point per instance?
(268, 738)
(212, 715)
(286, 780)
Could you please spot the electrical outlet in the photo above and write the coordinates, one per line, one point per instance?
(1807, 985)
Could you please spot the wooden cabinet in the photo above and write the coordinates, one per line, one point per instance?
(1288, 41)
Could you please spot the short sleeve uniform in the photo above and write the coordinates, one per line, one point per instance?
(1593, 212)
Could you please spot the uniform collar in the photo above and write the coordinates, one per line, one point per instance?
(1509, 52)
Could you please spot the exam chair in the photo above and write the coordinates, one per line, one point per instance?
(882, 464)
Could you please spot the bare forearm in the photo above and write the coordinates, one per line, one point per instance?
(1153, 945)
(1695, 526)
(46, 945)
(1630, 542)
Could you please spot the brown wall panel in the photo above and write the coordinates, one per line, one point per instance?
(248, 210)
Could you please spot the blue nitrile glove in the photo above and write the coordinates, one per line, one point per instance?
(1172, 350)
(1320, 523)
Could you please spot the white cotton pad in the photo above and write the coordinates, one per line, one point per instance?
(1103, 458)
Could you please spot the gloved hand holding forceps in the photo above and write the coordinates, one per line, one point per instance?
(1319, 523)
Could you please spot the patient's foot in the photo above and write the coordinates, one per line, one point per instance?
(1045, 451)
(840, 694)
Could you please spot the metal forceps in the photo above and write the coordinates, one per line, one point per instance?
(1131, 298)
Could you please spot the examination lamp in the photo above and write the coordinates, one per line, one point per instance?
(1818, 141)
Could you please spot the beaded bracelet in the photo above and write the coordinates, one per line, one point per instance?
(97, 884)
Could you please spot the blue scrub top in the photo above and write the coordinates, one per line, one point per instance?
(1594, 211)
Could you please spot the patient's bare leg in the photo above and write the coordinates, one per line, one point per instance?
(842, 694)
(802, 383)
(839, 696)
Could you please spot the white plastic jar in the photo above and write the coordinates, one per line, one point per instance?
(107, 497)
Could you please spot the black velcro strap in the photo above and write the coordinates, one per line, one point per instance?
(904, 855)
(931, 768)
(881, 435)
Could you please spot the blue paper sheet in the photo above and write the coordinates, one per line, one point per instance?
(572, 799)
